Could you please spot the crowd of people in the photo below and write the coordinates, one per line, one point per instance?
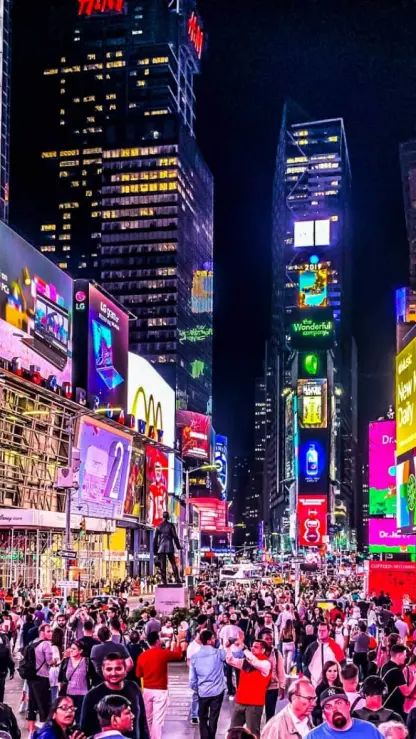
(334, 663)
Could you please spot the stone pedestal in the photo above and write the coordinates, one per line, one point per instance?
(169, 597)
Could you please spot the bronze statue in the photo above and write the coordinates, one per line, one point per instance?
(164, 544)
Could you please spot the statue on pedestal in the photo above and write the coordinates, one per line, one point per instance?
(164, 544)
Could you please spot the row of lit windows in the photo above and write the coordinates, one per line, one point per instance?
(141, 285)
(135, 236)
(142, 163)
(145, 151)
(126, 212)
(158, 174)
(139, 200)
(86, 67)
(128, 225)
(149, 298)
(153, 187)
(148, 248)
(154, 60)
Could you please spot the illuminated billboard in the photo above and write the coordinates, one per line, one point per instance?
(312, 328)
(221, 461)
(202, 289)
(35, 309)
(195, 434)
(406, 399)
(212, 515)
(105, 462)
(382, 469)
(157, 470)
(313, 287)
(101, 343)
(312, 400)
(95, 7)
(312, 233)
(313, 461)
(312, 516)
(312, 364)
(151, 400)
(406, 493)
(135, 485)
(383, 536)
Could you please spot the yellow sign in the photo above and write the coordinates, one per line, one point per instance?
(406, 398)
(312, 396)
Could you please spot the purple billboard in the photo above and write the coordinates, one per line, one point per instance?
(105, 462)
(101, 362)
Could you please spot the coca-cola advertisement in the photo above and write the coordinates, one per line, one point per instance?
(312, 516)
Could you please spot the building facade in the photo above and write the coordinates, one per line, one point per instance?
(5, 61)
(311, 259)
(129, 196)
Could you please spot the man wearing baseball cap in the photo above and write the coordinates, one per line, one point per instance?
(337, 719)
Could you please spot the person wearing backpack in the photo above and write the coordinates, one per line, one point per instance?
(374, 691)
(6, 663)
(34, 667)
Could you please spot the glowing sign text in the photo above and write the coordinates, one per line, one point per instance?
(88, 7)
(196, 34)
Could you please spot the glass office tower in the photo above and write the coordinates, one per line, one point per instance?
(311, 253)
(5, 54)
(130, 198)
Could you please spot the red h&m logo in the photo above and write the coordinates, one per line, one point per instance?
(196, 34)
(88, 7)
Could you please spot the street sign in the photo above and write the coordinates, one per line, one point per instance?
(67, 553)
(67, 584)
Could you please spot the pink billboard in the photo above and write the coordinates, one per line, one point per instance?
(383, 532)
(381, 454)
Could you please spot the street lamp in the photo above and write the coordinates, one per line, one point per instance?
(202, 467)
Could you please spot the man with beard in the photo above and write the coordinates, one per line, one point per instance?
(337, 719)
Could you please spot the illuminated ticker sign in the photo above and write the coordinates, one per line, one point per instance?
(90, 7)
(196, 34)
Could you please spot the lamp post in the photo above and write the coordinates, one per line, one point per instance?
(202, 467)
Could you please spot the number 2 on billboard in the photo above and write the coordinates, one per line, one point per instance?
(115, 460)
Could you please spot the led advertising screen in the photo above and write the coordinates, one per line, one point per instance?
(105, 463)
(212, 514)
(382, 468)
(135, 485)
(313, 402)
(221, 461)
(384, 537)
(313, 461)
(312, 517)
(35, 309)
(157, 468)
(196, 434)
(311, 365)
(395, 578)
(150, 399)
(312, 328)
(313, 288)
(101, 332)
(312, 233)
(406, 494)
(202, 289)
(406, 399)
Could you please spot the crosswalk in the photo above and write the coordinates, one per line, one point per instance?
(180, 694)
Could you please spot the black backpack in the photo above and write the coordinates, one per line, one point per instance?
(27, 667)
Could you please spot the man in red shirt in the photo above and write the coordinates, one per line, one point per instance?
(255, 674)
(152, 666)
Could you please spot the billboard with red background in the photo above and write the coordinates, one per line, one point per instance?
(395, 578)
(157, 470)
(195, 434)
(312, 516)
(212, 515)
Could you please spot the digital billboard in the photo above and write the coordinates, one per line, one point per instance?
(312, 516)
(105, 462)
(313, 461)
(157, 469)
(406, 494)
(150, 399)
(312, 403)
(312, 233)
(195, 434)
(406, 399)
(312, 328)
(212, 515)
(202, 289)
(313, 287)
(101, 342)
(35, 309)
(395, 578)
(383, 536)
(135, 485)
(312, 364)
(382, 468)
(221, 461)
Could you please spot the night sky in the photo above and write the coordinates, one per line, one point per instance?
(355, 60)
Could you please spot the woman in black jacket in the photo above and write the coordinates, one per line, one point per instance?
(330, 679)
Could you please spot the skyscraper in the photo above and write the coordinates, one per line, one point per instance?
(5, 52)
(314, 394)
(130, 198)
(408, 170)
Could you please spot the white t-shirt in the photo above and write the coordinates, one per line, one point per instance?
(193, 648)
(402, 628)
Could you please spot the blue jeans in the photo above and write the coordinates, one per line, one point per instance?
(194, 704)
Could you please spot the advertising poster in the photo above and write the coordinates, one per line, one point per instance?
(212, 515)
(313, 288)
(312, 517)
(406, 399)
(312, 365)
(135, 485)
(382, 469)
(221, 461)
(384, 537)
(105, 462)
(151, 400)
(313, 461)
(35, 309)
(313, 403)
(196, 434)
(312, 329)
(395, 578)
(202, 289)
(406, 494)
(157, 470)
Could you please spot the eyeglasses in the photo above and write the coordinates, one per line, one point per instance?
(309, 698)
(67, 709)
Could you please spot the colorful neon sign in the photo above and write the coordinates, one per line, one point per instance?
(89, 7)
(196, 34)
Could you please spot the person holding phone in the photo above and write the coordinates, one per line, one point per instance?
(59, 724)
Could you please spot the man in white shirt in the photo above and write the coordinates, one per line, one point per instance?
(401, 627)
(294, 720)
(192, 649)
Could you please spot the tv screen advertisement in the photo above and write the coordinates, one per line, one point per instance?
(312, 329)
(135, 485)
(312, 517)
(35, 308)
(221, 461)
(382, 468)
(195, 434)
(313, 403)
(312, 233)
(212, 515)
(313, 461)
(406, 399)
(157, 473)
(383, 536)
(406, 493)
(313, 288)
(105, 463)
(150, 399)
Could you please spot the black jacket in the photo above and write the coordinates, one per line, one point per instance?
(166, 539)
(377, 717)
(131, 691)
(8, 721)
